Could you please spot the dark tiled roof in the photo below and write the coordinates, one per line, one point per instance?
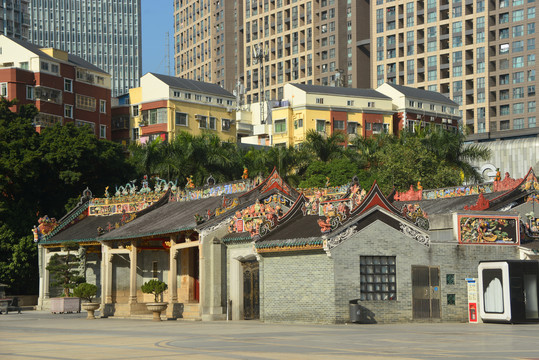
(84, 230)
(193, 85)
(301, 226)
(423, 94)
(447, 205)
(167, 219)
(72, 59)
(368, 93)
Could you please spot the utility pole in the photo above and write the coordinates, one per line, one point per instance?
(261, 55)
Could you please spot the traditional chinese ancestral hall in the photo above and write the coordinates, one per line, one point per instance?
(260, 249)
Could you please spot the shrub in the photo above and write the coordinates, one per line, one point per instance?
(155, 287)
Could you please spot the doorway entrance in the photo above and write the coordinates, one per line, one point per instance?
(251, 293)
(426, 292)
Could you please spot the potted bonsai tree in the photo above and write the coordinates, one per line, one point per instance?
(64, 271)
(155, 287)
(86, 292)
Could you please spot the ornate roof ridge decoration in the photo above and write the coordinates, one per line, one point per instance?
(481, 204)
(410, 195)
(288, 245)
(416, 215)
(47, 228)
(204, 192)
(457, 191)
(273, 181)
(508, 183)
(395, 220)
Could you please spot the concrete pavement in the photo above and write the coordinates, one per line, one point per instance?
(41, 335)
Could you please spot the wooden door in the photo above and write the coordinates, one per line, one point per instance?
(426, 292)
(251, 307)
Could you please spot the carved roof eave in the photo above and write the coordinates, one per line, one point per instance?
(510, 195)
(409, 229)
(268, 185)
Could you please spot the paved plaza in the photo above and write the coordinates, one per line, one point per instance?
(41, 335)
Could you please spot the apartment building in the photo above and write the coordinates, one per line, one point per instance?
(63, 87)
(479, 53)
(14, 19)
(327, 110)
(106, 33)
(206, 43)
(163, 106)
(265, 44)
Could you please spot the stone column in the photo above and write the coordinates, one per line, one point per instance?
(107, 277)
(46, 274)
(133, 273)
(173, 273)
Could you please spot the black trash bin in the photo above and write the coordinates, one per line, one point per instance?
(355, 312)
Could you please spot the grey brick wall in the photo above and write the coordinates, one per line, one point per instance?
(382, 240)
(297, 287)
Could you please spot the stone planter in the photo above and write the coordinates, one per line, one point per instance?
(63, 305)
(90, 308)
(156, 308)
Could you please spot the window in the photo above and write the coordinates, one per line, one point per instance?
(23, 65)
(202, 121)
(518, 46)
(518, 77)
(504, 94)
(504, 110)
(29, 92)
(103, 106)
(103, 131)
(85, 123)
(531, 106)
(136, 133)
(213, 123)
(378, 277)
(352, 128)
(518, 93)
(518, 15)
(531, 13)
(518, 123)
(3, 89)
(531, 28)
(504, 49)
(504, 79)
(321, 126)
(319, 100)
(176, 94)
(518, 62)
(68, 111)
(225, 124)
(68, 85)
(44, 66)
(280, 126)
(181, 119)
(85, 102)
(531, 122)
(54, 68)
(518, 30)
(338, 125)
(504, 125)
(518, 108)
(503, 33)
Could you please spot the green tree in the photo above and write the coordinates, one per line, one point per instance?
(64, 269)
(73, 159)
(339, 171)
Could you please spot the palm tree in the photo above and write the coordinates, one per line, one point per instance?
(324, 148)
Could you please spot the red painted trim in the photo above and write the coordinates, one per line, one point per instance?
(154, 105)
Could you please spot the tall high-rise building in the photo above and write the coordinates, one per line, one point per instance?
(265, 44)
(106, 33)
(479, 53)
(14, 19)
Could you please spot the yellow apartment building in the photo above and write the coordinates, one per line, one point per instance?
(326, 109)
(163, 106)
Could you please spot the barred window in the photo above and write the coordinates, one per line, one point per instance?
(85, 102)
(378, 277)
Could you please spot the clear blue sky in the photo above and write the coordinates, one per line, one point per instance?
(157, 19)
